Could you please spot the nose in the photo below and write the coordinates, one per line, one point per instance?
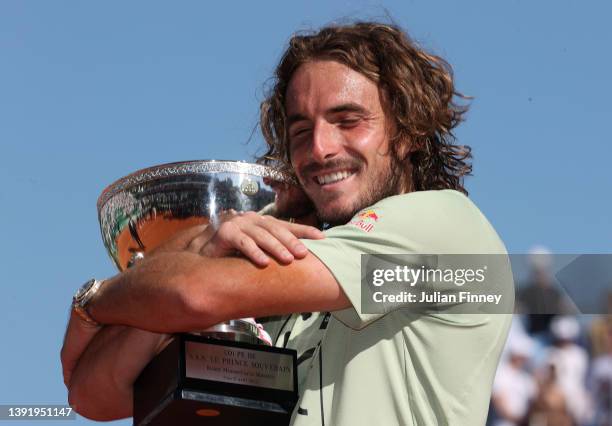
(326, 142)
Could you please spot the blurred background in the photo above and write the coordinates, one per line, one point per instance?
(90, 92)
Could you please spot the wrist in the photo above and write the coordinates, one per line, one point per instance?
(82, 300)
(94, 306)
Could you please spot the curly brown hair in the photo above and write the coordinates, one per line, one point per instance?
(417, 92)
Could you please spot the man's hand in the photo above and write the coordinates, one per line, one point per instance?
(78, 335)
(101, 387)
(256, 237)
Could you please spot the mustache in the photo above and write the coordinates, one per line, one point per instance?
(339, 163)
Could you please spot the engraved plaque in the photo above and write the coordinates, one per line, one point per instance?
(242, 384)
(239, 365)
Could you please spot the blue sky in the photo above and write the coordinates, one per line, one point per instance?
(92, 91)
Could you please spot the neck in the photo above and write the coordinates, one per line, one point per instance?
(308, 219)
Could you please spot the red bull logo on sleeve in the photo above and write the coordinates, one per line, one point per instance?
(365, 220)
(368, 214)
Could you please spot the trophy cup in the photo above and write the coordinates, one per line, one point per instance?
(226, 374)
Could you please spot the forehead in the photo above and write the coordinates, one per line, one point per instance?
(319, 85)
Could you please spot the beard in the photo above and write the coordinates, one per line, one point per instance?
(382, 183)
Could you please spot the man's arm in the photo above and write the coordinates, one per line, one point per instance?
(243, 232)
(183, 291)
(101, 387)
(103, 365)
(102, 384)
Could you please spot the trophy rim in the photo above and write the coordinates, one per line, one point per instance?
(186, 168)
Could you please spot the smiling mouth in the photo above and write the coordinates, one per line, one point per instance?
(334, 177)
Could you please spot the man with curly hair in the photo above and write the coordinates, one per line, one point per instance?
(363, 117)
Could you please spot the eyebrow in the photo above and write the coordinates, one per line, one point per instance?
(347, 107)
(293, 118)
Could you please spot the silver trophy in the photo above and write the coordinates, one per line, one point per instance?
(190, 379)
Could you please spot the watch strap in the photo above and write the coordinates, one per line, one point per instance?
(83, 297)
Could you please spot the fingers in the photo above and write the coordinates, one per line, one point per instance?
(78, 335)
(197, 243)
(282, 239)
(201, 235)
(304, 231)
(258, 238)
(279, 239)
(278, 243)
(230, 238)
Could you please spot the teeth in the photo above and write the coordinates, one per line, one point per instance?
(333, 177)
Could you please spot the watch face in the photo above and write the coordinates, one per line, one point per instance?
(81, 292)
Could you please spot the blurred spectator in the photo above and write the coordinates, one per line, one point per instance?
(514, 388)
(600, 329)
(548, 338)
(570, 363)
(600, 383)
(517, 331)
(550, 408)
(539, 299)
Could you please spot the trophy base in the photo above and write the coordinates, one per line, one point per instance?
(198, 380)
(191, 408)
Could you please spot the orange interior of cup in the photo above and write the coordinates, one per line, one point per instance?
(152, 232)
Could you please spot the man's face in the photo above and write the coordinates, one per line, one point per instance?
(338, 139)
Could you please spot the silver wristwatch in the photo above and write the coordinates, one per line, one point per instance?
(82, 298)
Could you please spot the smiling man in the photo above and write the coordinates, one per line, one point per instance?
(339, 139)
(363, 117)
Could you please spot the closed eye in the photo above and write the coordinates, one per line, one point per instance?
(299, 131)
(350, 122)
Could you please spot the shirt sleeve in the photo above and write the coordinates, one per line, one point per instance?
(419, 224)
(375, 230)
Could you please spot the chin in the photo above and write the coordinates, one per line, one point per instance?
(336, 215)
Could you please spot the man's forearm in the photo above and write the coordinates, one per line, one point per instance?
(157, 295)
(183, 291)
(101, 385)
